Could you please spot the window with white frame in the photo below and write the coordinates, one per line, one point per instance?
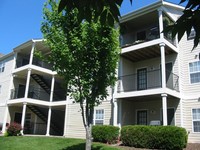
(194, 72)
(196, 119)
(192, 34)
(99, 117)
(2, 67)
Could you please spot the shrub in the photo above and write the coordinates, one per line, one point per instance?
(14, 129)
(154, 137)
(105, 133)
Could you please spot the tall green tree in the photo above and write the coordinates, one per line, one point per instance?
(85, 54)
(108, 11)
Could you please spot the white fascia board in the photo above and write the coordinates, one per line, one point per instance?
(38, 40)
(6, 56)
(59, 103)
(15, 101)
(21, 46)
(175, 6)
(43, 70)
(40, 69)
(139, 93)
(171, 45)
(25, 44)
(149, 8)
(141, 45)
(140, 12)
(37, 102)
(173, 93)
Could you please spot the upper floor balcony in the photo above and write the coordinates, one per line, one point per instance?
(145, 32)
(25, 54)
(145, 80)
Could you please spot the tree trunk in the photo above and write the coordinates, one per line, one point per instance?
(88, 144)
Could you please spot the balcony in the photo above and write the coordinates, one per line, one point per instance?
(25, 61)
(140, 31)
(147, 80)
(38, 94)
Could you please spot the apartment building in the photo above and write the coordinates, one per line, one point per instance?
(159, 78)
(158, 82)
(33, 95)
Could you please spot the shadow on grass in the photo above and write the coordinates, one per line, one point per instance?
(81, 146)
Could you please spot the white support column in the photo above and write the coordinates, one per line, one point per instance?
(27, 83)
(23, 117)
(52, 88)
(48, 122)
(120, 113)
(163, 70)
(32, 53)
(115, 114)
(66, 116)
(5, 120)
(160, 18)
(164, 107)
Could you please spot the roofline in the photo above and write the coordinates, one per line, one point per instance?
(26, 44)
(173, 5)
(147, 9)
(6, 56)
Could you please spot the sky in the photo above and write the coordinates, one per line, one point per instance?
(20, 20)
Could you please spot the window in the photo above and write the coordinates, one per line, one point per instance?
(99, 117)
(2, 67)
(192, 34)
(142, 79)
(196, 119)
(194, 72)
(142, 117)
(0, 89)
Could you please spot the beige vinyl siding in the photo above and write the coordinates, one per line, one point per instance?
(5, 78)
(74, 123)
(190, 104)
(188, 55)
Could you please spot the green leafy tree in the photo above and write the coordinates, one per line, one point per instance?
(108, 11)
(188, 21)
(85, 54)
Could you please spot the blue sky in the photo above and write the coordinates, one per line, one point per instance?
(21, 20)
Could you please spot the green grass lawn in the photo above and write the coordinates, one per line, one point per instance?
(47, 143)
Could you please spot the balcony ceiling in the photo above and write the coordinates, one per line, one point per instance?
(146, 53)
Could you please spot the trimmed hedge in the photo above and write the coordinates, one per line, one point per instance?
(105, 133)
(154, 137)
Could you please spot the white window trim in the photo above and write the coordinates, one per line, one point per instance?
(189, 72)
(191, 36)
(94, 123)
(194, 120)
